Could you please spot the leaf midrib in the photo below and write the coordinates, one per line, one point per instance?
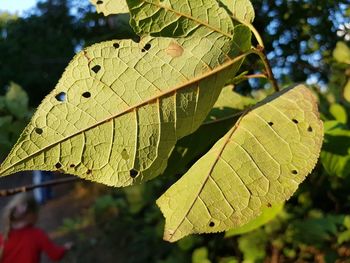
(231, 132)
(131, 108)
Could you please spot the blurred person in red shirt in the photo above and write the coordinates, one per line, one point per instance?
(22, 242)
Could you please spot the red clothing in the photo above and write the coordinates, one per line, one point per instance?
(25, 246)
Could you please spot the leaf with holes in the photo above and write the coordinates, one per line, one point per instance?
(120, 107)
(258, 163)
(173, 18)
(109, 7)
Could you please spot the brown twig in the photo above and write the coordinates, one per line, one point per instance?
(26, 188)
(260, 51)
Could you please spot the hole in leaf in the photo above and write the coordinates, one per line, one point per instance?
(146, 47)
(269, 205)
(88, 171)
(99, 2)
(295, 121)
(116, 45)
(133, 173)
(211, 224)
(38, 131)
(294, 172)
(72, 165)
(61, 96)
(309, 129)
(86, 94)
(270, 123)
(58, 165)
(96, 68)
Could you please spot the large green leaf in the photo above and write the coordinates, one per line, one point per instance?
(120, 107)
(17, 101)
(173, 18)
(335, 155)
(342, 53)
(108, 7)
(258, 163)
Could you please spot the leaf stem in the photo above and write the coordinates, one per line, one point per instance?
(260, 51)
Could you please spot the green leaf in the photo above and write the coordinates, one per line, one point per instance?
(172, 18)
(339, 112)
(335, 155)
(109, 7)
(200, 255)
(242, 10)
(315, 231)
(258, 163)
(267, 214)
(341, 53)
(346, 92)
(253, 246)
(17, 101)
(120, 107)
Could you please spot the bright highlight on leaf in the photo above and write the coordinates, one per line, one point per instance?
(260, 162)
(120, 107)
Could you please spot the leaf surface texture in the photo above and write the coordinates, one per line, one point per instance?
(258, 163)
(120, 107)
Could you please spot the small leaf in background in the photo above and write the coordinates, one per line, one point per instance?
(17, 101)
(243, 10)
(200, 255)
(335, 155)
(313, 231)
(342, 53)
(259, 162)
(346, 92)
(267, 214)
(120, 107)
(253, 246)
(339, 112)
(109, 7)
(172, 18)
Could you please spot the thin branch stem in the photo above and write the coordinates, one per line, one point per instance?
(256, 76)
(26, 188)
(261, 53)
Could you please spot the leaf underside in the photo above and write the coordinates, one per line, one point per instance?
(260, 162)
(120, 107)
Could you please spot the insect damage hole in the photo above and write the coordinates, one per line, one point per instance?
(72, 165)
(211, 224)
(146, 47)
(309, 129)
(58, 165)
(116, 45)
(88, 171)
(133, 173)
(295, 121)
(86, 94)
(99, 2)
(39, 131)
(96, 68)
(270, 123)
(61, 96)
(294, 172)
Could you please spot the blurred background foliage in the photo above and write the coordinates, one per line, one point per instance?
(124, 225)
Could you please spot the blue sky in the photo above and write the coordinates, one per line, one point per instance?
(16, 5)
